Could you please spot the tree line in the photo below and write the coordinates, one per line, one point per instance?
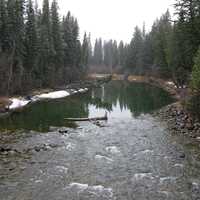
(168, 50)
(38, 48)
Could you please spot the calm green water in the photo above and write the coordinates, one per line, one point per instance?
(117, 98)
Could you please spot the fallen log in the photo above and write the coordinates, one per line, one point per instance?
(88, 119)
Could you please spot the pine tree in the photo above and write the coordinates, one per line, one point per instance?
(98, 52)
(56, 36)
(121, 54)
(85, 51)
(161, 33)
(47, 70)
(115, 54)
(135, 61)
(3, 27)
(15, 24)
(31, 43)
(188, 19)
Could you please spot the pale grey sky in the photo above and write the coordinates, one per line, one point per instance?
(114, 19)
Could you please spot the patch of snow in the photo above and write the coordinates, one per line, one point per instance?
(83, 90)
(112, 149)
(100, 157)
(54, 95)
(18, 103)
(170, 83)
(35, 98)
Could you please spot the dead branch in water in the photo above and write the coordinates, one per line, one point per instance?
(88, 119)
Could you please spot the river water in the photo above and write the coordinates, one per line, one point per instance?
(132, 156)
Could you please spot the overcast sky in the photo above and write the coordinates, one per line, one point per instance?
(114, 19)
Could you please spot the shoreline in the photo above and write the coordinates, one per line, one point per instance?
(16, 103)
(175, 115)
(179, 120)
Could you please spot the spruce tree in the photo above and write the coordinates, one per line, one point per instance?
(85, 51)
(31, 43)
(56, 38)
(3, 27)
(46, 47)
(134, 60)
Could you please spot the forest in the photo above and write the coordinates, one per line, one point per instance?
(40, 49)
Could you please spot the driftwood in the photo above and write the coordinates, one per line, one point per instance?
(88, 119)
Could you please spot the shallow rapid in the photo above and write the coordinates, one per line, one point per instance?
(132, 156)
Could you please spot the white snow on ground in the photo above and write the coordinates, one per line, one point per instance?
(83, 90)
(54, 95)
(18, 103)
(170, 83)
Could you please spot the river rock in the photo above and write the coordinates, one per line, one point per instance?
(182, 155)
(189, 126)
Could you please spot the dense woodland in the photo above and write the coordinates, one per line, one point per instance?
(168, 50)
(40, 49)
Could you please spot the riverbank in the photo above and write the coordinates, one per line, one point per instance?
(11, 104)
(176, 115)
(179, 120)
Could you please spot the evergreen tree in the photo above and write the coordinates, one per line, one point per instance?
(56, 37)
(188, 21)
(135, 61)
(122, 56)
(85, 51)
(3, 26)
(115, 54)
(161, 33)
(98, 52)
(31, 43)
(108, 54)
(15, 24)
(46, 46)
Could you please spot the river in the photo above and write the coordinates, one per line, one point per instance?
(132, 156)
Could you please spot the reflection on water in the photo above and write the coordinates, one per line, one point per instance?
(120, 99)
